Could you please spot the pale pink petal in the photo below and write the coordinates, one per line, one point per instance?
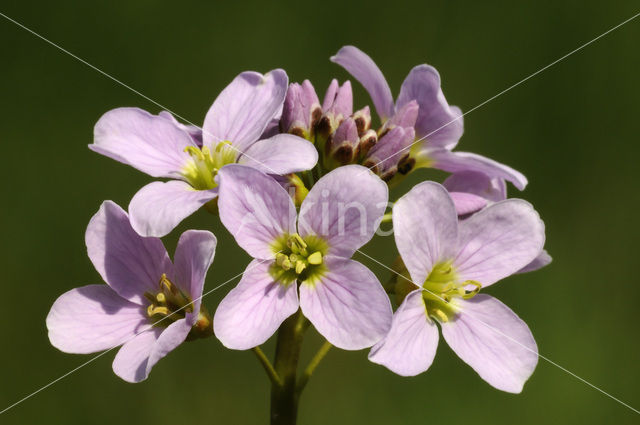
(253, 310)
(92, 318)
(255, 209)
(344, 207)
(131, 361)
(455, 162)
(467, 203)
(438, 123)
(491, 188)
(498, 241)
(364, 69)
(494, 341)
(281, 154)
(159, 207)
(151, 143)
(174, 335)
(347, 305)
(425, 228)
(194, 255)
(410, 346)
(129, 263)
(542, 260)
(244, 109)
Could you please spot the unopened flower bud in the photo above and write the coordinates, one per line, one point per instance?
(391, 149)
(363, 120)
(301, 110)
(367, 141)
(336, 106)
(342, 146)
(405, 117)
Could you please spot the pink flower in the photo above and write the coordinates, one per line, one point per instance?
(149, 304)
(448, 262)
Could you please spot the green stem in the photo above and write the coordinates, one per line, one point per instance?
(268, 367)
(313, 364)
(284, 397)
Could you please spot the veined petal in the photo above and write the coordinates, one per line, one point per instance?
(129, 263)
(255, 209)
(131, 361)
(490, 188)
(194, 255)
(440, 124)
(244, 109)
(494, 341)
(281, 154)
(542, 260)
(344, 208)
(159, 207)
(151, 143)
(253, 310)
(364, 69)
(425, 228)
(455, 162)
(410, 346)
(467, 203)
(498, 241)
(174, 335)
(92, 318)
(347, 305)
(194, 131)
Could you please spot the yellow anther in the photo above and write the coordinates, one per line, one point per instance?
(280, 258)
(315, 258)
(152, 310)
(196, 152)
(161, 298)
(286, 264)
(443, 317)
(300, 266)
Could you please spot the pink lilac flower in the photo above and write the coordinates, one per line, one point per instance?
(448, 262)
(438, 125)
(161, 147)
(308, 265)
(149, 304)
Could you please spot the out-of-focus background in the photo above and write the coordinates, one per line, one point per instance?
(573, 130)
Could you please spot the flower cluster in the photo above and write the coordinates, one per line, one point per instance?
(302, 185)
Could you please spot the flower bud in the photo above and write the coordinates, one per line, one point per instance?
(384, 157)
(367, 141)
(363, 120)
(301, 110)
(342, 146)
(337, 105)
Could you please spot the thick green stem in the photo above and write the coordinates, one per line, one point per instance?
(284, 397)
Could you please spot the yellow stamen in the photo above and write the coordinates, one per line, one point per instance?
(315, 258)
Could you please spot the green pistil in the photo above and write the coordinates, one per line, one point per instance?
(298, 258)
(205, 163)
(442, 287)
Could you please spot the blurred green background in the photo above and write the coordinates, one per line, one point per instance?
(573, 130)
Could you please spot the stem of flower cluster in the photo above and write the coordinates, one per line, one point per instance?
(284, 395)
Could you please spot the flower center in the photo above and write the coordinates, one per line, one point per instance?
(170, 304)
(441, 287)
(298, 258)
(205, 164)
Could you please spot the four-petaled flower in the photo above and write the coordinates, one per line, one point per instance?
(438, 125)
(161, 147)
(149, 304)
(342, 298)
(448, 262)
